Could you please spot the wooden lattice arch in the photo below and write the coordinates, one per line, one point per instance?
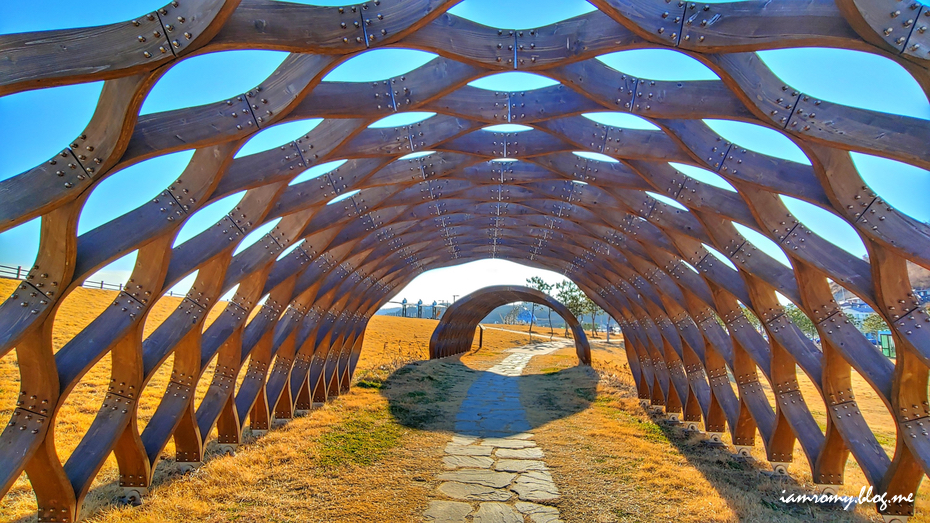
(456, 330)
(626, 250)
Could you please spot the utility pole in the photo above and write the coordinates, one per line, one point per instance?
(454, 296)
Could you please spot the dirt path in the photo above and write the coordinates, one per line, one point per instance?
(538, 334)
(495, 471)
(543, 335)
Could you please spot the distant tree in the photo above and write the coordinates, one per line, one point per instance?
(751, 318)
(874, 323)
(577, 302)
(801, 320)
(511, 317)
(544, 287)
(592, 309)
(539, 284)
(854, 320)
(572, 298)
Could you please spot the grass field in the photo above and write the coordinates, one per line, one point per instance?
(389, 343)
(620, 465)
(369, 455)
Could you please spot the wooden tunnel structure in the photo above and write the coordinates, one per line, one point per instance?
(456, 330)
(646, 263)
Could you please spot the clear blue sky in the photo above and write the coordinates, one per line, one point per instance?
(48, 119)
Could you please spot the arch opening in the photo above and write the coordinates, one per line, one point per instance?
(456, 330)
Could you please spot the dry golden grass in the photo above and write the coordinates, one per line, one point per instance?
(390, 339)
(76, 415)
(372, 454)
(389, 343)
(555, 333)
(366, 456)
(296, 474)
(613, 463)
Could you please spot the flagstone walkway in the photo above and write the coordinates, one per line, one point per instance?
(495, 472)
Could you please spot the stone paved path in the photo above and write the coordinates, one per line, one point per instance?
(495, 473)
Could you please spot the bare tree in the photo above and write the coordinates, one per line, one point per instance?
(544, 287)
(572, 298)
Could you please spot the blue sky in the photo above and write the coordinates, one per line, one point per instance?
(48, 119)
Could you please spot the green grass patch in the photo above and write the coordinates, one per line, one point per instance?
(362, 439)
(586, 393)
(370, 384)
(886, 440)
(416, 417)
(650, 431)
(417, 396)
(621, 467)
(624, 514)
(235, 512)
(653, 432)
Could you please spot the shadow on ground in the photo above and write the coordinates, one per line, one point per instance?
(447, 395)
(613, 472)
(749, 486)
